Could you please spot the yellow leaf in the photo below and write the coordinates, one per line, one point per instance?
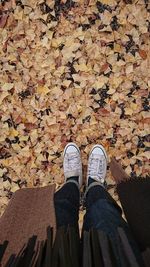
(6, 162)
(16, 147)
(116, 81)
(13, 133)
(42, 90)
(81, 67)
(128, 111)
(24, 138)
(18, 15)
(79, 108)
(77, 91)
(133, 106)
(3, 95)
(97, 97)
(101, 82)
(59, 71)
(56, 42)
(51, 121)
(2, 171)
(50, 35)
(108, 2)
(39, 158)
(66, 83)
(34, 135)
(7, 86)
(111, 91)
(14, 188)
(117, 48)
(115, 96)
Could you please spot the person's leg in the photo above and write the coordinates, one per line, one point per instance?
(103, 214)
(66, 199)
(99, 207)
(96, 174)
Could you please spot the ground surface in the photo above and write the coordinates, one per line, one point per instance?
(71, 71)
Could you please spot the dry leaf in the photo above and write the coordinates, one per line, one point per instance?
(128, 111)
(42, 90)
(3, 95)
(3, 20)
(143, 54)
(7, 86)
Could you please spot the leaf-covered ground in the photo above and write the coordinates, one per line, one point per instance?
(71, 71)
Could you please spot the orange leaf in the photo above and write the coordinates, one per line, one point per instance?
(103, 112)
(143, 54)
(30, 126)
(104, 67)
(146, 120)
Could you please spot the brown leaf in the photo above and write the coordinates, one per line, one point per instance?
(104, 67)
(30, 126)
(103, 112)
(3, 20)
(143, 54)
(146, 120)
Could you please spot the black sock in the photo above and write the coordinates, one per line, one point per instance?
(75, 178)
(90, 181)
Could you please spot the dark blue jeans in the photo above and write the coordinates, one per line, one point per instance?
(66, 202)
(100, 207)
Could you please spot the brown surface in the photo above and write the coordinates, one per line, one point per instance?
(29, 212)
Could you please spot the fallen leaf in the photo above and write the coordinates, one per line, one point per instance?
(81, 67)
(3, 20)
(104, 67)
(111, 91)
(3, 95)
(103, 112)
(143, 54)
(128, 111)
(66, 83)
(7, 86)
(43, 90)
(13, 132)
(129, 69)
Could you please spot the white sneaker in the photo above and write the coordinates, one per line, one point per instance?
(97, 164)
(72, 162)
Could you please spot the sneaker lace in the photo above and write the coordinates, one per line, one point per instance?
(73, 161)
(96, 167)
